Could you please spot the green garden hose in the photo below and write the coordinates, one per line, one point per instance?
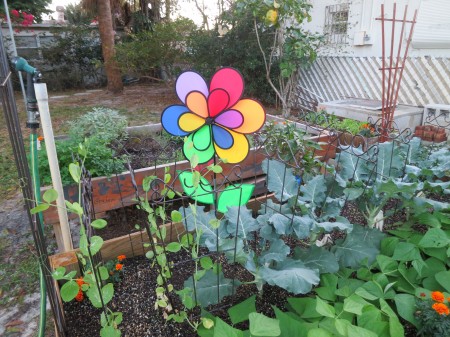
(37, 192)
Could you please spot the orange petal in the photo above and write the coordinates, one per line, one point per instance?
(253, 113)
(197, 103)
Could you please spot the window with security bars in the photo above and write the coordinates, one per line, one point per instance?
(336, 23)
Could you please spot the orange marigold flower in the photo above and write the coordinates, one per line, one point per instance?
(79, 296)
(437, 296)
(441, 309)
(80, 281)
(121, 258)
(40, 138)
(119, 266)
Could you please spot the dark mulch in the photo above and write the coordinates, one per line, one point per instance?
(135, 298)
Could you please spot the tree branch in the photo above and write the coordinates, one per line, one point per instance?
(283, 102)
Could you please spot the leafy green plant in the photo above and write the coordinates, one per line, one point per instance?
(102, 160)
(94, 282)
(291, 144)
(102, 127)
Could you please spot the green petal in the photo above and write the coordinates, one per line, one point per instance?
(199, 143)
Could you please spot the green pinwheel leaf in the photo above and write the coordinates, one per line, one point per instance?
(390, 160)
(406, 307)
(222, 329)
(234, 196)
(203, 192)
(107, 293)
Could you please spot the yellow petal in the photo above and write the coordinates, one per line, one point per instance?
(237, 152)
(189, 122)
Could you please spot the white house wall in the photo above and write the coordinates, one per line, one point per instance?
(353, 71)
(433, 25)
(426, 80)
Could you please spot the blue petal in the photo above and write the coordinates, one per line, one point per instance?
(222, 137)
(170, 117)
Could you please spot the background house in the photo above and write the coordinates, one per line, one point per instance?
(348, 64)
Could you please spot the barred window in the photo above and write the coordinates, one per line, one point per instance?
(336, 23)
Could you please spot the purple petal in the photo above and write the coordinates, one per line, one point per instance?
(190, 81)
(231, 119)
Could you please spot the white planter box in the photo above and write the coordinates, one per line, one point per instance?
(361, 109)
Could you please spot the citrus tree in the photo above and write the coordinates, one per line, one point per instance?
(293, 48)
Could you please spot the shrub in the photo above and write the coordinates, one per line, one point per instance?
(102, 123)
(147, 52)
(74, 57)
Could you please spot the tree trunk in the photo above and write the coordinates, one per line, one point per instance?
(156, 10)
(105, 28)
(167, 10)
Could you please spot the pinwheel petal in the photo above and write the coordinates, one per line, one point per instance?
(190, 122)
(217, 102)
(222, 137)
(231, 81)
(170, 117)
(202, 138)
(190, 148)
(231, 119)
(196, 102)
(253, 115)
(237, 152)
(190, 81)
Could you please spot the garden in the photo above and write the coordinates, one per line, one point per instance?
(226, 220)
(286, 234)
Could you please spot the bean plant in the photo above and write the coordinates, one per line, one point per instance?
(94, 275)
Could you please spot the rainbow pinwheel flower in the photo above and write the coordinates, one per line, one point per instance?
(215, 119)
